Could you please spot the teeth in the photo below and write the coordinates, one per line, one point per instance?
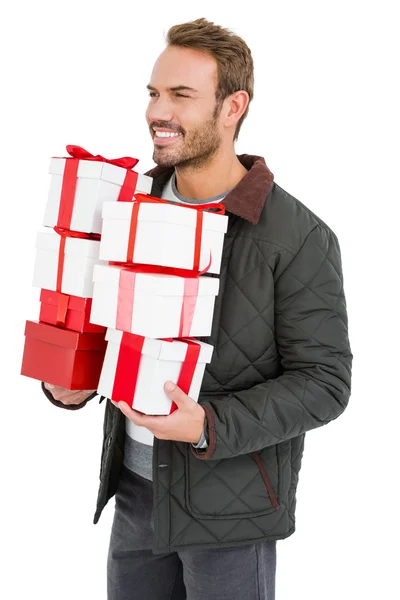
(166, 134)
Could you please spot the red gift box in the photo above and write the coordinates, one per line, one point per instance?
(69, 359)
(76, 315)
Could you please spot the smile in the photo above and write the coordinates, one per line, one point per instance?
(165, 134)
(164, 138)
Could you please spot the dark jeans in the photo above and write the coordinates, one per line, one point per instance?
(135, 573)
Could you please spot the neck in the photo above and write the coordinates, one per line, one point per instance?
(219, 174)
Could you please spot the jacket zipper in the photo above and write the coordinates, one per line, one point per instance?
(257, 459)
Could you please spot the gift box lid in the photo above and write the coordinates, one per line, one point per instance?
(92, 169)
(74, 302)
(161, 349)
(154, 283)
(166, 213)
(66, 338)
(50, 241)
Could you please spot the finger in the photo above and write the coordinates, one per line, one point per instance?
(55, 389)
(75, 398)
(60, 393)
(175, 393)
(149, 421)
(71, 397)
(134, 415)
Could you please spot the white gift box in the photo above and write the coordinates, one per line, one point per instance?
(151, 304)
(138, 378)
(138, 433)
(80, 257)
(165, 235)
(96, 183)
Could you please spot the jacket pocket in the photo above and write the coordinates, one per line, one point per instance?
(267, 481)
(244, 486)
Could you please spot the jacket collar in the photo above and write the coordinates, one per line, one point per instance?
(248, 197)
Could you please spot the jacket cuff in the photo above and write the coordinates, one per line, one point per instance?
(60, 404)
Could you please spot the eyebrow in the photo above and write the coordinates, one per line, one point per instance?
(177, 88)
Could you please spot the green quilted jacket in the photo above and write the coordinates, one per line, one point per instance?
(281, 367)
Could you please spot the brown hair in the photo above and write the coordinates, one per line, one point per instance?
(231, 53)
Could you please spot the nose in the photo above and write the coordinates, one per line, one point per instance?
(160, 109)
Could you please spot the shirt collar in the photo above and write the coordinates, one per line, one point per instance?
(246, 199)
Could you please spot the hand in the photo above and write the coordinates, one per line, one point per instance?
(68, 396)
(184, 425)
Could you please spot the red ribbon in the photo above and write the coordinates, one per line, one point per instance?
(77, 234)
(197, 240)
(220, 208)
(63, 299)
(71, 174)
(126, 162)
(190, 295)
(140, 268)
(62, 308)
(188, 368)
(126, 294)
(142, 198)
(68, 188)
(128, 364)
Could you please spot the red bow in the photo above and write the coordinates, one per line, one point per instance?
(127, 162)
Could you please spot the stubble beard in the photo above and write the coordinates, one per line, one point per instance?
(199, 146)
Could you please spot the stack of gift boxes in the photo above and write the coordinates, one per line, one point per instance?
(155, 297)
(63, 347)
(144, 286)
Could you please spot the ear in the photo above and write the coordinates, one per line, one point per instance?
(236, 106)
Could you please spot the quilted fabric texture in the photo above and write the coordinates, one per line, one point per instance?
(281, 367)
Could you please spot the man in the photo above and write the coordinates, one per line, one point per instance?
(201, 501)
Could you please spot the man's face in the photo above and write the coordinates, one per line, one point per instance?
(183, 108)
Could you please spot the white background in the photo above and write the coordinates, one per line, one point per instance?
(325, 117)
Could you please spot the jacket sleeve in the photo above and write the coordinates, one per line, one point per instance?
(311, 334)
(60, 404)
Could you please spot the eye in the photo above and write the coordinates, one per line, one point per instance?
(182, 96)
(152, 94)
